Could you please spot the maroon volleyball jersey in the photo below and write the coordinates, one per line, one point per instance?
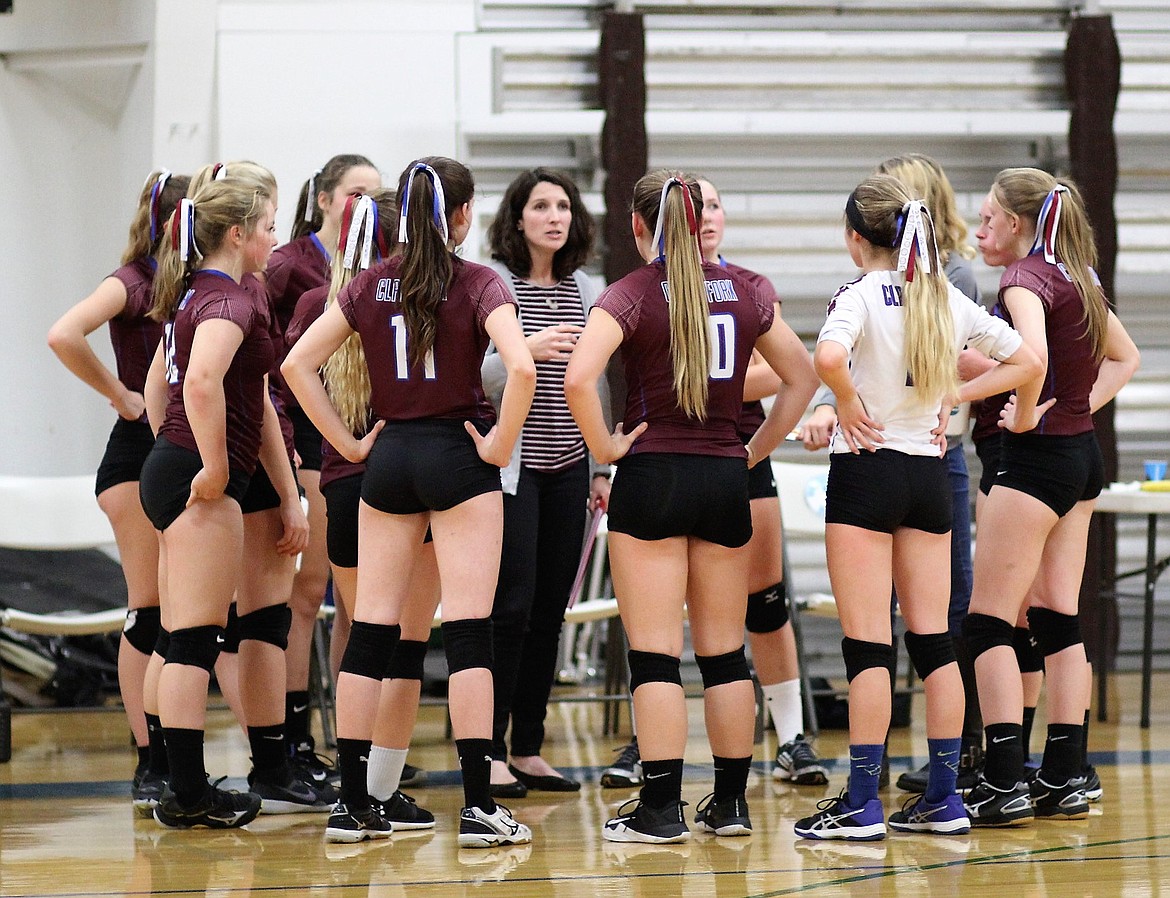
(1072, 369)
(448, 384)
(739, 313)
(294, 268)
(135, 336)
(986, 411)
(277, 389)
(753, 413)
(214, 295)
(311, 305)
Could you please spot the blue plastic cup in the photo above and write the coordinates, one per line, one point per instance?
(1155, 469)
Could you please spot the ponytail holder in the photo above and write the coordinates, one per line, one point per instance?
(913, 245)
(155, 195)
(183, 229)
(1047, 223)
(440, 205)
(692, 220)
(363, 212)
(311, 195)
(219, 172)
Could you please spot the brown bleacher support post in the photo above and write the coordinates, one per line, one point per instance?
(1092, 70)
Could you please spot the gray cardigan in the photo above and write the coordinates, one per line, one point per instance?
(494, 375)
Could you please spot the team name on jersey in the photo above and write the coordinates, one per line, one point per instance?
(717, 291)
(892, 294)
(387, 290)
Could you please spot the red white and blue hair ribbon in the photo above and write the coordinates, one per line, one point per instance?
(311, 195)
(183, 229)
(914, 250)
(155, 195)
(688, 204)
(219, 172)
(1048, 222)
(440, 204)
(363, 212)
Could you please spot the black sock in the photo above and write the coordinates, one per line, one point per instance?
(1004, 761)
(188, 778)
(143, 757)
(475, 762)
(1085, 744)
(1026, 737)
(269, 758)
(158, 747)
(353, 757)
(296, 717)
(731, 776)
(661, 782)
(1062, 753)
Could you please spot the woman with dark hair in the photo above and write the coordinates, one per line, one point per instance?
(540, 238)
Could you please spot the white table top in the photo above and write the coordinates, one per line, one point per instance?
(1127, 500)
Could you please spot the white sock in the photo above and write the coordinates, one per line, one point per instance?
(784, 707)
(384, 771)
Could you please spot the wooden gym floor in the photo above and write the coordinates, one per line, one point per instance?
(67, 829)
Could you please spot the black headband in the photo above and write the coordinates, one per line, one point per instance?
(857, 223)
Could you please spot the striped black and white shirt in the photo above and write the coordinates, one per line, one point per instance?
(551, 438)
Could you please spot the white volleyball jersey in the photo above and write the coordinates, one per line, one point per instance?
(867, 318)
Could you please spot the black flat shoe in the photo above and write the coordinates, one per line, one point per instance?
(508, 790)
(544, 783)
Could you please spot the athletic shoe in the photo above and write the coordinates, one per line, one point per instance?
(970, 766)
(919, 816)
(797, 763)
(311, 767)
(217, 809)
(479, 829)
(357, 825)
(403, 813)
(626, 771)
(292, 797)
(835, 819)
(643, 823)
(1093, 790)
(412, 776)
(728, 817)
(989, 805)
(1061, 802)
(145, 791)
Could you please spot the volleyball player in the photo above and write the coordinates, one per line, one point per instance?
(123, 301)
(425, 317)
(889, 350)
(679, 507)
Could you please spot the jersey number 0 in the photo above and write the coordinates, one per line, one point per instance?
(722, 346)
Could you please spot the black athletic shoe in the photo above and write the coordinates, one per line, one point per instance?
(643, 823)
(479, 829)
(1093, 790)
(145, 792)
(217, 809)
(356, 825)
(988, 805)
(403, 813)
(412, 776)
(626, 771)
(970, 766)
(311, 767)
(728, 817)
(1066, 801)
(797, 762)
(292, 797)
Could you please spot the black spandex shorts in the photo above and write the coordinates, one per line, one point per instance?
(306, 438)
(989, 449)
(1060, 471)
(126, 450)
(762, 481)
(426, 465)
(261, 494)
(658, 495)
(165, 484)
(341, 526)
(887, 489)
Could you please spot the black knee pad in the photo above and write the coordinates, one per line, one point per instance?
(1027, 654)
(767, 610)
(162, 645)
(468, 643)
(985, 631)
(1054, 632)
(268, 624)
(861, 656)
(142, 626)
(929, 651)
(231, 632)
(407, 661)
(652, 667)
(730, 667)
(369, 650)
(196, 646)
